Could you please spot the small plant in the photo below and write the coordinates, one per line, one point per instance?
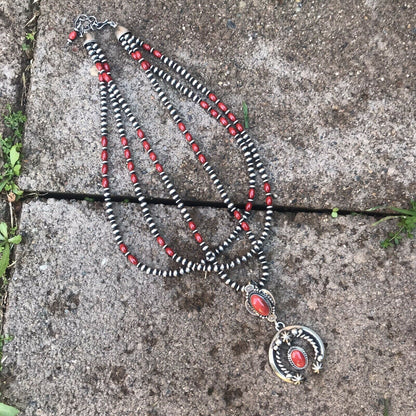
(386, 407)
(7, 240)
(11, 147)
(27, 45)
(245, 113)
(334, 213)
(405, 226)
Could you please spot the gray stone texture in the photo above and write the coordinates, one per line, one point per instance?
(92, 336)
(329, 87)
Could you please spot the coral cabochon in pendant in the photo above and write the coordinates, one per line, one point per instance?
(260, 305)
(260, 302)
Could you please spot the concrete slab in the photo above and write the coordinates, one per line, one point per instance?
(329, 89)
(92, 336)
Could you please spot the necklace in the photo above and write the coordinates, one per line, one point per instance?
(295, 351)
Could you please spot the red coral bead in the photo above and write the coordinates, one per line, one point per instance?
(237, 215)
(223, 121)
(130, 166)
(240, 128)
(201, 158)
(136, 55)
(266, 187)
(192, 225)
(73, 35)
(214, 113)
(99, 66)
(104, 155)
(145, 65)
(181, 126)
(169, 251)
(132, 259)
(159, 167)
(204, 105)
(127, 154)
(259, 305)
(232, 131)
(212, 97)
(195, 147)
(160, 241)
(249, 206)
(146, 47)
(222, 107)
(106, 77)
(124, 141)
(104, 141)
(104, 168)
(123, 248)
(106, 67)
(104, 182)
(251, 193)
(100, 78)
(146, 145)
(133, 178)
(157, 54)
(188, 137)
(231, 116)
(140, 133)
(269, 200)
(298, 358)
(198, 238)
(245, 226)
(152, 156)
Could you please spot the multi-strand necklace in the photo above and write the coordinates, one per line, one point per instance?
(295, 350)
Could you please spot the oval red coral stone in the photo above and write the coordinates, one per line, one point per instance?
(259, 305)
(298, 358)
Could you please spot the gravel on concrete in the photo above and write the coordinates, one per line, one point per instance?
(329, 87)
(92, 336)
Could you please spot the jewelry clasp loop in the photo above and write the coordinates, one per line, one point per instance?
(84, 23)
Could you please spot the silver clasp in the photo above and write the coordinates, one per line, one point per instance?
(84, 24)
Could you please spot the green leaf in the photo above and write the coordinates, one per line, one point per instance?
(17, 190)
(15, 240)
(14, 155)
(3, 184)
(8, 410)
(3, 229)
(334, 213)
(404, 211)
(245, 112)
(16, 169)
(4, 262)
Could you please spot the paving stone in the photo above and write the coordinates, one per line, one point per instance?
(92, 336)
(329, 88)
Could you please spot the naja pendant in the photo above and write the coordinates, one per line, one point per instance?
(295, 351)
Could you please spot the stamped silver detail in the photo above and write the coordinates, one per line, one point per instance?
(292, 338)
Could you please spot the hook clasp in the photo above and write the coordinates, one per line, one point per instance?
(84, 24)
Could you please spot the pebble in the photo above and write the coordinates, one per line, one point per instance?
(230, 24)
